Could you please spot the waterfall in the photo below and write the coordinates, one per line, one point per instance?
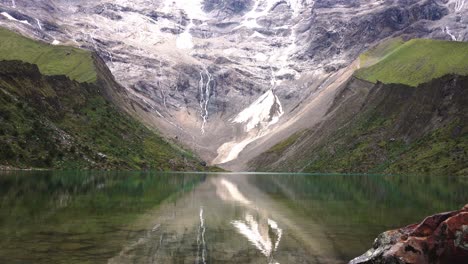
(447, 30)
(39, 24)
(459, 5)
(205, 86)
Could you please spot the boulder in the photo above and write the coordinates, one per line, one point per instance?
(438, 239)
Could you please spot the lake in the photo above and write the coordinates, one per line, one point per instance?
(153, 217)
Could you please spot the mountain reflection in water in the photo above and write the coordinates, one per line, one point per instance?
(78, 217)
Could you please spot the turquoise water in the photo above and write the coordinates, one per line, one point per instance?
(97, 217)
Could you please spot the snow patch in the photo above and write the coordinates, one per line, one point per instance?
(261, 114)
(230, 150)
(264, 112)
(257, 35)
(55, 42)
(260, 57)
(9, 17)
(193, 9)
(185, 40)
(260, 9)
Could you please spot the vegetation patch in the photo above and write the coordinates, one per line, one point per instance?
(414, 62)
(75, 63)
(283, 145)
(54, 122)
(380, 51)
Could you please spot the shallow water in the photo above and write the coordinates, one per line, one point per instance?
(95, 217)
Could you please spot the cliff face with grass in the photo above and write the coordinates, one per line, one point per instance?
(60, 112)
(54, 122)
(394, 129)
(414, 62)
(409, 115)
(77, 64)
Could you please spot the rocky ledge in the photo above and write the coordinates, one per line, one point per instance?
(441, 238)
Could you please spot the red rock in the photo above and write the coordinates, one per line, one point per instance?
(438, 239)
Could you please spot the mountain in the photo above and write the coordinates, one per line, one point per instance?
(390, 127)
(230, 79)
(60, 113)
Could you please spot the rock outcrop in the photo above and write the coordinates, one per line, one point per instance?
(441, 238)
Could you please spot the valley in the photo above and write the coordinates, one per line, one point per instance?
(231, 79)
(234, 131)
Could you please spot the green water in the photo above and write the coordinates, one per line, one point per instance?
(86, 217)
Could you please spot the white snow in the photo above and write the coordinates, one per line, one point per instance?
(260, 9)
(55, 42)
(193, 10)
(185, 40)
(230, 150)
(259, 112)
(295, 6)
(257, 35)
(9, 17)
(260, 57)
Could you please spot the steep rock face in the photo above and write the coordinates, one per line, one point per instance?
(195, 68)
(439, 239)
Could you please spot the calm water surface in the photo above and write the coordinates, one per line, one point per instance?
(86, 217)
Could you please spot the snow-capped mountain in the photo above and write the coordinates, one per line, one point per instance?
(226, 77)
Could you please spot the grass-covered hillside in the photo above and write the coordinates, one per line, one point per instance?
(69, 122)
(75, 63)
(395, 129)
(413, 62)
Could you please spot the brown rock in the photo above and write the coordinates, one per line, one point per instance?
(438, 239)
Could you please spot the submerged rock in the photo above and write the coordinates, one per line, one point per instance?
(441, 238)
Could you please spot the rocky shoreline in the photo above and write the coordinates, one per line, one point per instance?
(438, 239)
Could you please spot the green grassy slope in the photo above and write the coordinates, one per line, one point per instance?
(414, 62)
(54, 122)
(57, 111)
(75, 63)
(380, 51)
(395, 129)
